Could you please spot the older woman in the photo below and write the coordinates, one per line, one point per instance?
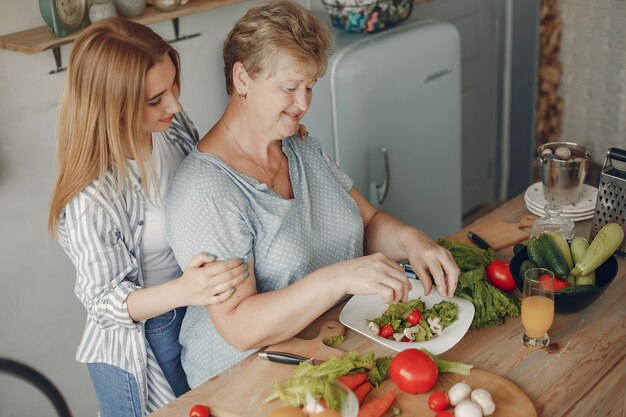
(251, 190)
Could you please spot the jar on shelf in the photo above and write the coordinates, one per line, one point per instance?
(167, 5)
(130, 8)
(101, 9)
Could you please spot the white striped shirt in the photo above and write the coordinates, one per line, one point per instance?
(101, 230)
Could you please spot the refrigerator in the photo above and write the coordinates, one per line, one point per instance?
(388, 110)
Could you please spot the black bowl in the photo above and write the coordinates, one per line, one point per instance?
(567, 303)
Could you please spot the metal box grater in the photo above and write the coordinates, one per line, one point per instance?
(611, 202)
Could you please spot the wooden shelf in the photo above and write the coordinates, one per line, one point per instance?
(41, 39)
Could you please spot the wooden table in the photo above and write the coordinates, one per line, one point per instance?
(582, 374)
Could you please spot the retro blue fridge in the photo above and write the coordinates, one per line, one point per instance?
(388, 110)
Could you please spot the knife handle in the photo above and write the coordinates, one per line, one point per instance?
(478, 241)
(282, 357)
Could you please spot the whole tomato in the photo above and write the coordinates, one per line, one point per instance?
(438, 401)
(558, 284)
(499, 275)
(413, 371)
(199, 410)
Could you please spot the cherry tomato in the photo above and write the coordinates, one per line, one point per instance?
(438, 401)
(414, 317)
(413, 371)
(558, 285)
(199, 410)
(500, 276)
(386, 331)
(444, 414)
(405, 339)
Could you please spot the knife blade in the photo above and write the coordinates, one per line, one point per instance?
(288, 358)
(477, 240)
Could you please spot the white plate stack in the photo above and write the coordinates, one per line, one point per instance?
(583, 209)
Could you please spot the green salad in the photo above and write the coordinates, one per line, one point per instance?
(412, 322)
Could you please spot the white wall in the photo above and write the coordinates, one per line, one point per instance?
(593, 53)
(41, 320)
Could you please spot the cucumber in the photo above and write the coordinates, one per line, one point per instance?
(525, 266)
(535, 254)
(579, 246)
(560, 242)
(579, 289)
(552, 256)
(608, 239)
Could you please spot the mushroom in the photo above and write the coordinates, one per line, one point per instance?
(433, 320)
(546, 151)
(409, 334)
(373, 328)
(436, 328)
(482, 397)
(458, 392)
(398, 337)
(434, 324)
(563, 152)
(467, 408)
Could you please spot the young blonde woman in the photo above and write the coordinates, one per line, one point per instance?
(122, 134)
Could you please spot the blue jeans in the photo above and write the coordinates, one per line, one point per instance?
(116, 390)
(162, 335)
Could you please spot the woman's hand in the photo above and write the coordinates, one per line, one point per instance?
(207, 281)
(428, 259)
(374, 274)
(302, 132)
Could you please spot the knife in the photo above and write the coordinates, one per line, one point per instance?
(288, 358)
(478, 241)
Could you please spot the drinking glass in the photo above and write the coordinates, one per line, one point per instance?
(537, 307)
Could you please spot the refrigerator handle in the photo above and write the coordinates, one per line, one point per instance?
(383, 189)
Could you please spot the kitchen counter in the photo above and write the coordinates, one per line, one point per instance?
(582, 372)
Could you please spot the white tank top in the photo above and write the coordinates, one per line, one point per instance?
(158, 262)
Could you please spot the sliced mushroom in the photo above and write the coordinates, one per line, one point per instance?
(373, 328)
(398, 336)
(409, 334)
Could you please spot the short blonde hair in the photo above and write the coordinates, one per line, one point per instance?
(273, 28)
(100, 121)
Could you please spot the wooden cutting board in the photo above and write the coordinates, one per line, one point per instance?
(510, 400)
(232, 399)
(498, 233)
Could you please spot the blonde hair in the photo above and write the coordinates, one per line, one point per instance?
(273, 28)
(100, 121)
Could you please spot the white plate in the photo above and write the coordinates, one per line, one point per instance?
(565, 214)
(587, 202)
(573, 217)
(362, 308)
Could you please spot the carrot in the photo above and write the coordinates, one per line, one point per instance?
(362, 390)
(376, 407)
(353, 380)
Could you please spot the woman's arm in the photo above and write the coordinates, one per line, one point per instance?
(249, 320)
(204, 282)
(92, 239)
(388, 235)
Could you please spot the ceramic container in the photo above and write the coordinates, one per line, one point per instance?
(101, 9)
(130, 8)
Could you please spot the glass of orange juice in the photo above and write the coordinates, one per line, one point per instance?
(537, 307)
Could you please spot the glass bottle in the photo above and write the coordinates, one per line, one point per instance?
(553, 222)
